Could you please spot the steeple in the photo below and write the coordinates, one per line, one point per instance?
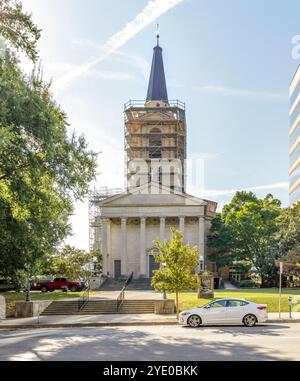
(157, 88)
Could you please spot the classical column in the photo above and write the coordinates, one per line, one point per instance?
(108, 248)
(143, 247)
(123, 245)
(162, 227)
(181, 225)
(201, 238)
(104, 246)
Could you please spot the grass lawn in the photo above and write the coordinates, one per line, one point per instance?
(267, 296)
(38, 295)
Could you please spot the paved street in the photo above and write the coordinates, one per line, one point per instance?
(268, 342)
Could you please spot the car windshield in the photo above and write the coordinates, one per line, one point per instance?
(204, 305)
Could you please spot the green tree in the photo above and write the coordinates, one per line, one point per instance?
(245, 231)
(18, 29)
(288, 235)
(71, 263)
(177, 263)
(43, 171)
(97, 262)
(291, 265)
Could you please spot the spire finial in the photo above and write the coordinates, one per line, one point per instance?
(157, 34)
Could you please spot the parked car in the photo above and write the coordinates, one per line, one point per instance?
(59, 284)
(6, 285)
(225, 311)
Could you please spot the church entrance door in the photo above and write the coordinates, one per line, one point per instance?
(152, 265)
(117, 269)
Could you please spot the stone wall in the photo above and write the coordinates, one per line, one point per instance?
(164, 307)
(30, 309)
(2, 308)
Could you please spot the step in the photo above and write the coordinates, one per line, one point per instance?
(98, 307)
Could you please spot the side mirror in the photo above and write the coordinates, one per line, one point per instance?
(207, 307)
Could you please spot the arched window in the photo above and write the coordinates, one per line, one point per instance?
(155, 137)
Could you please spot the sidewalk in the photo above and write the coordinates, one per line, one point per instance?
(89, 321)
(273, 317)
(115, 320)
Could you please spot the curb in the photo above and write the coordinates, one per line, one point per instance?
(86, 325)
(289, 320)
(119, 324)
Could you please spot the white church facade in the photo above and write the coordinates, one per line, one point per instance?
(155, 198)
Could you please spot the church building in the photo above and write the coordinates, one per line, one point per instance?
(155, 197)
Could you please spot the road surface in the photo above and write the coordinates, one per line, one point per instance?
(268, 342)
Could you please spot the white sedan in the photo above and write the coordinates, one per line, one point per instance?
(225, 311)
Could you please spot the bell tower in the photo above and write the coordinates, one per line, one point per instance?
(155, 134)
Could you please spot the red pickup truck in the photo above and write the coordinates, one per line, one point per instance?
(59, 284)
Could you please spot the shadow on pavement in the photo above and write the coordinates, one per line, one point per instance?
(113, 344)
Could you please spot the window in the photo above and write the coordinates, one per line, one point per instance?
(236, 303)
(155, 139)
(218, 304)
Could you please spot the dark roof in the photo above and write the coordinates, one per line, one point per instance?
(157, 88)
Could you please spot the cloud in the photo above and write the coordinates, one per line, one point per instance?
(227, 91)
(229, 192)
(150, 13)
(130, 58)
(61, 67)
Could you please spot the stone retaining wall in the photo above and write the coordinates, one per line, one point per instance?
(30, 309)
(164, 307)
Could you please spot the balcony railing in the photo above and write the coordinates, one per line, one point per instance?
(141, 104)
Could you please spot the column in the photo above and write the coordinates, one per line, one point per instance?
(181, 225)
(143, 247)
(123, 245)
(201, 238)
(104, 246)
(162, 227)
(108, 249)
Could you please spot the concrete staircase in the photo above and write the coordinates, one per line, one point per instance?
(136, 284)
(100, 307)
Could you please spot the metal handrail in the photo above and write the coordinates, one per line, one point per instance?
(84, 298)
(141, 104)
(121, 296)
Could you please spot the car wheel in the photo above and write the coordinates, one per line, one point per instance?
(249, 320)
(44, 289)
(194, 321)
(73, 288)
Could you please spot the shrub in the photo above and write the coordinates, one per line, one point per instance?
(247, 283)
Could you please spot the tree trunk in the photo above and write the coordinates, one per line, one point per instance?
(177, 305)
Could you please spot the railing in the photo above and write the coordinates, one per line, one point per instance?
(84, 298)
(141, 103)
(121, 296)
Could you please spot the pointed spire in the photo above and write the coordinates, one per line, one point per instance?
(157, 88)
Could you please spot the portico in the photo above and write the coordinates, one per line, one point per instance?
(131, 221)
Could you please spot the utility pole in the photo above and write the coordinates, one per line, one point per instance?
(280, 279)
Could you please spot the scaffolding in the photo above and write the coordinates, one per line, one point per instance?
(154, 130)
(95, 221)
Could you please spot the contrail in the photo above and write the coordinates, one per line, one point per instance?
(150, 13)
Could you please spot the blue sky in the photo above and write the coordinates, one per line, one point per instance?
(229, 61)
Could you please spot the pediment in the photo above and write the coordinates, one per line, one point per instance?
(152, 195)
